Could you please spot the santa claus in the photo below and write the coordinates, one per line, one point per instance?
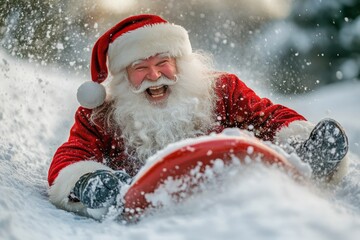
(160, 91)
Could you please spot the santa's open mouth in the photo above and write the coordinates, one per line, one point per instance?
(157, 91)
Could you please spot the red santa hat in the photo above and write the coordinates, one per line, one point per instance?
(134, 38)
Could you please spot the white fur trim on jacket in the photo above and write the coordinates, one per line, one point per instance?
(146, 42)
(65, 182)
(299, 130)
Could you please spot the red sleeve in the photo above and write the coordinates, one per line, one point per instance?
(239, 106)
(85, 143)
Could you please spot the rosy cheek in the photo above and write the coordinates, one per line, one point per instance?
(136, 78)
(169, 72)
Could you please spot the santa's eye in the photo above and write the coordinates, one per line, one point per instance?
(139, 68)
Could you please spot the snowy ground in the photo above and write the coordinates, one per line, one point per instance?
(36, 110)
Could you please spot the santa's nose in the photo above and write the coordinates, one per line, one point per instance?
(153, 74)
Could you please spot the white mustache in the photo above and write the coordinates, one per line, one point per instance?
(147, 83)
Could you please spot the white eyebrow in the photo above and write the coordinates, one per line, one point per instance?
(136, 62)
(161, 55)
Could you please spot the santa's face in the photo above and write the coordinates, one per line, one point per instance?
(152, 77)
(186, 108)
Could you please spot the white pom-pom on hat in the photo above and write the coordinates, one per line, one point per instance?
(91, 94)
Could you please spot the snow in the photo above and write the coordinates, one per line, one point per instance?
(36, 112)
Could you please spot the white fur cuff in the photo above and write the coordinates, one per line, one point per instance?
(298, 129)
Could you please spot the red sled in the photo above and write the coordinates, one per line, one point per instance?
(182, 158)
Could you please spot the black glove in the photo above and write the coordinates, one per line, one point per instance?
(100, 188)
(324, 149)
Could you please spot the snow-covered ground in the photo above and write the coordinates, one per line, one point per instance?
(36, 112)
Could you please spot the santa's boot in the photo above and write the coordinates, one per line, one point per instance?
(324, 149)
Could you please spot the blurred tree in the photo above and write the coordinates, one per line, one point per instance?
(317, 44)
(41, 31)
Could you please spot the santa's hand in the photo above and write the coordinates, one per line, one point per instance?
(325, 148)
(100, 188)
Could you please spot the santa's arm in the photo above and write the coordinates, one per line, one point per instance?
(246, 110)
(79, 155)
(243, 108)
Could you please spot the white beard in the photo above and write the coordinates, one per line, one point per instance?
(147, 128)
